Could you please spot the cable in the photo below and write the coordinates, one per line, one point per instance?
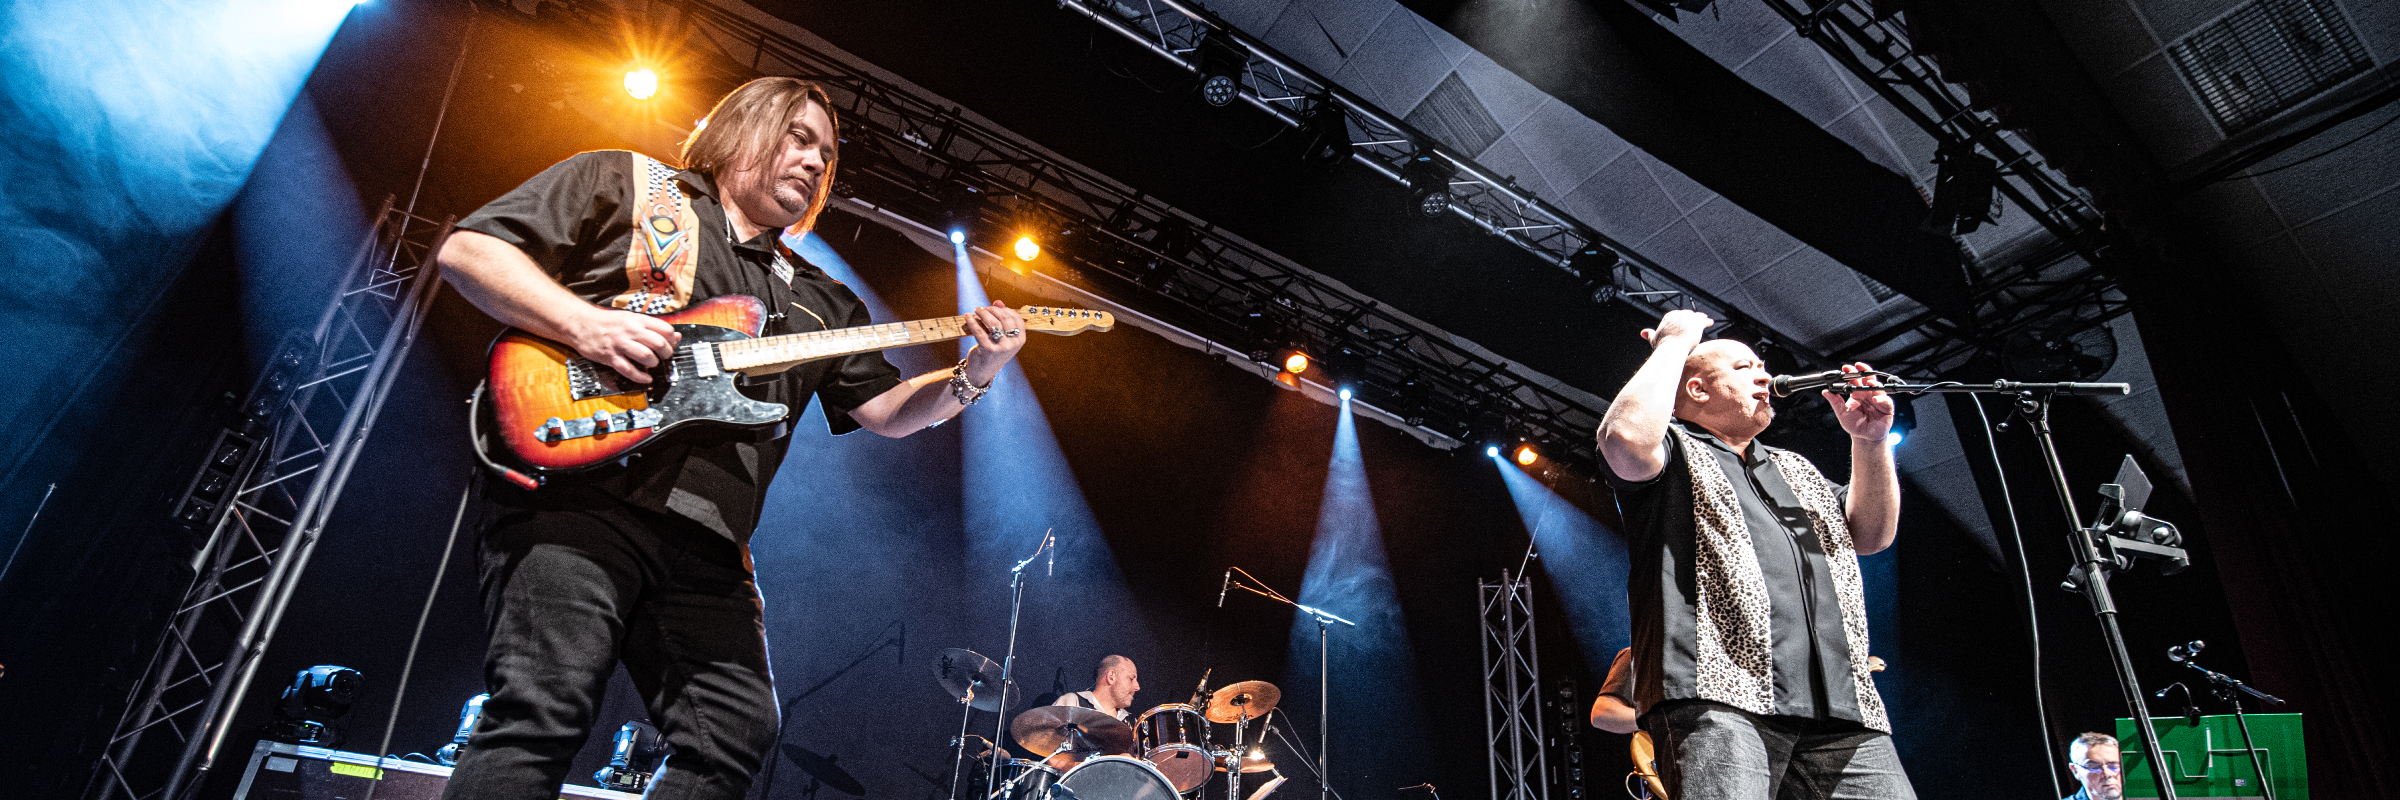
(406, 666)
(2033, 626)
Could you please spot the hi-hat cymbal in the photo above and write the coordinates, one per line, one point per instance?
(1047, 729)
(1251, 699)
(959, 670)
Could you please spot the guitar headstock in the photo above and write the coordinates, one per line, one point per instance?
(1065, 321)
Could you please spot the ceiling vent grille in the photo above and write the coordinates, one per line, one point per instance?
(1452, 115)
(2268, 56)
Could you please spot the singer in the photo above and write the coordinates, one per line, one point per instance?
(1749, 618)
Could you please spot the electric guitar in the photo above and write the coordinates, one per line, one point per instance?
(559, 412)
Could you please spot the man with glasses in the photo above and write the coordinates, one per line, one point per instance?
(2096, 763)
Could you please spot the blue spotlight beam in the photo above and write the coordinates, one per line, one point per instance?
(1348, 573)
(1016, 487)
(1586, 562)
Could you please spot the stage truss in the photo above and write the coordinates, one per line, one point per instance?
(1512, 691)
(260, 504)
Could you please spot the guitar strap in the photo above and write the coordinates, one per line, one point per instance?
(664, 255)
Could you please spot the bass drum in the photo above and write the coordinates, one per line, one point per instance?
(1118, 778)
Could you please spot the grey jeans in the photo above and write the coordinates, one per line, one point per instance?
(1709, 751)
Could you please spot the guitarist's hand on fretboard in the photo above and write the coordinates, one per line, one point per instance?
(630, 343)
(999, 333)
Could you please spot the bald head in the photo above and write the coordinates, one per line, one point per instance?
(1724, 389)
(1116, 681)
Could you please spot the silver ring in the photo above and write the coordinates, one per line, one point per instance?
(1009, 333)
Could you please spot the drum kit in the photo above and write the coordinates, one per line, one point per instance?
(1170, 752)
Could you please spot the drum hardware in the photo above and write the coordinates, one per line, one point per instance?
(1324, 699)
(1026, 779)
(1008, 664)
(963, 673)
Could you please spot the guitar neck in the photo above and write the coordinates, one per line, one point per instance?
(773, 353)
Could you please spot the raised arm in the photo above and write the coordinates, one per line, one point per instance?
(924, 400)
(504, 282)
(1874, 511)
(1633, 435)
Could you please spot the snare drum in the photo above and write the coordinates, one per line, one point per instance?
(1025, 779)
(1174, 739)
(1118, 778)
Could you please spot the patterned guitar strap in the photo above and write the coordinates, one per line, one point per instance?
(664, 256)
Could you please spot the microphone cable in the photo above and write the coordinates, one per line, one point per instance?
(2033, 624)
(409, 664)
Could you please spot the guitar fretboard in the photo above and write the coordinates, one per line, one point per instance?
(775, 352)
(798, 347)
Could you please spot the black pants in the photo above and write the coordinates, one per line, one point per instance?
(566, 594)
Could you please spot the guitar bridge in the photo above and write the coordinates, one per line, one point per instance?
(555, 429)
(587, 379)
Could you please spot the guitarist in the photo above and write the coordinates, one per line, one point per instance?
(649, 562)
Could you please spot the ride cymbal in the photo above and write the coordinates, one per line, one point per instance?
(1251, 699)
(959, 670)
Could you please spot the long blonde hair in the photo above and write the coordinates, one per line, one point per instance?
(747, 123)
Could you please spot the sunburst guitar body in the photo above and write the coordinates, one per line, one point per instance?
(556, 411)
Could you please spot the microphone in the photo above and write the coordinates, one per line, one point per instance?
(1203, 688)
(1226, 587)
(1788, 385)
(2184, 652)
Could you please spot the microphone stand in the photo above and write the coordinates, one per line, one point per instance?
(2226, 689)
(1008, 666)
(2033, 402)
(1324, 698)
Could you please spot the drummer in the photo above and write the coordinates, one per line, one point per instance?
(1113, 685)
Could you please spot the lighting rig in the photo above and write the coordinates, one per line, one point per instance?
(2067, 278)
(913, 158)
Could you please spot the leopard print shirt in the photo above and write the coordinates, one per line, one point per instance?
(1734, 653)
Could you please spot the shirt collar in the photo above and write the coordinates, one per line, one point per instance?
(766, 242)
(1758, 448)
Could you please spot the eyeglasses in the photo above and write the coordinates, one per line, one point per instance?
(2098, 767)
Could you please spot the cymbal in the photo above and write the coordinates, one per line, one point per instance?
(1047, 729)
(1252, 765)
(959, 670)
(1257, 698)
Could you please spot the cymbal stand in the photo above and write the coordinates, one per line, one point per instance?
(966, 712)
(1233, 771)
(1008, 666)
(1324, 698)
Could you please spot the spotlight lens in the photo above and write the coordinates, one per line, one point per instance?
(1491, 451)
(1894, 438)
(1219, 90)
(1435, 204)
(1028, 249)
(641, 83)
(958, 237)
(1345, 393)
(1526, 456)
(1296, 362)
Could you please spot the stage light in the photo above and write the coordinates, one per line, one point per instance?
(1328, 134)
(1904, 420)
(1222, 62)
(1028, 249)
(1491, 451)
(1345, 394)
(310, 708)
(958, 237)
(1597, 267)
(1295, 362)
(1962, 190)
(641, 83)
(1526, 455)
(1428, 176)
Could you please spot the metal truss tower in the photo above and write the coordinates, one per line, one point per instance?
(1512, 690)
(259, 505)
